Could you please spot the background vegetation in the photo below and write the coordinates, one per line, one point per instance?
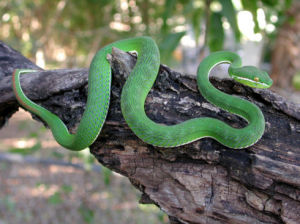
(69, 32)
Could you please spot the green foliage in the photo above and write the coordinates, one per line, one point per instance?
(39, 184)
(168, 44)
(296, 81)
(196, 20)
(58, 155)
(26, 150)
(82, 27)
(86, 214)
(107, 174)
(8, 203)
(55, 199)
(168, 11)
(270, 3)
(216, 39)
(229, 13)
(66, 188)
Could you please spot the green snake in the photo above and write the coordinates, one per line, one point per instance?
(134, 94)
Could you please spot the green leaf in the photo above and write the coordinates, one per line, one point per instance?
(188, 7)
(107, 173)
(271, 3)
(67, 188)
(215, 32)
(86, 214)
(251, 6)
(33, 134)
(9, 203)
(40, 184)
(288, 4)
(197, 15)
(26, 151)
(296, 81)
(229, 12)
(58, 155)
(169, 44)
(168, 10)
(55, 199)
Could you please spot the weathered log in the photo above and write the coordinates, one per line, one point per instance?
(202, 182)
(9, 60)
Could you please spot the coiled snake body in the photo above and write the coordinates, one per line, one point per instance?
(134, 94)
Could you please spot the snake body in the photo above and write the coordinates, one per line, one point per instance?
(134, 94)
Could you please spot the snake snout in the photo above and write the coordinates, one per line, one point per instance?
(251, 76)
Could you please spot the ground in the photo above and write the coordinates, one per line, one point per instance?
(39, 193)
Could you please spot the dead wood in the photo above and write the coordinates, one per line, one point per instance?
(202, 182)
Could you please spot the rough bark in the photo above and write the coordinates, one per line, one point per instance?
(9, 60)
(202, 182)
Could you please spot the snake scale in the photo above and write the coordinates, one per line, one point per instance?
(134, 94)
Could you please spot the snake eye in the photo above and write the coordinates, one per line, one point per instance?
(256, 79)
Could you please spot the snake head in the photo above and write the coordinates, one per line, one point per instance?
(251, 76)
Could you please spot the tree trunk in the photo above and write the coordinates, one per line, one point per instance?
(286, 53)
(202, 182)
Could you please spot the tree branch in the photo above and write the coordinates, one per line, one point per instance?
(202, 182)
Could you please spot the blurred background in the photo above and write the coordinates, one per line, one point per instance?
(42, 183)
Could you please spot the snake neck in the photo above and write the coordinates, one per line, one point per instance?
(250, 112)
(218, 98)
